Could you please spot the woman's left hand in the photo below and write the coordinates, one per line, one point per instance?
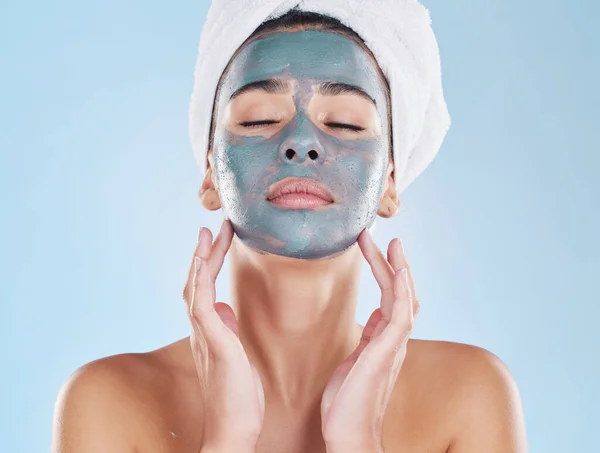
(355, 399)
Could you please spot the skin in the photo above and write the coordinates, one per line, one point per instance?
(248, 158)
(447, 398)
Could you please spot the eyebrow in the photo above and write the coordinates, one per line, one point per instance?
(335, 88)
(271, 86)
(278, 86)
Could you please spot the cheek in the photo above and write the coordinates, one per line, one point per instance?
(362, 166)
(242, 162)
(246, 166)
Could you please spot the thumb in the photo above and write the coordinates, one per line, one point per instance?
(227, 315)
(371, 330)
(341, 372)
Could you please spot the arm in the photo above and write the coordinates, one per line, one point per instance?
(489, 417)
(92, 413)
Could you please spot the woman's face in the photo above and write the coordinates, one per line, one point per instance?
(305, 104)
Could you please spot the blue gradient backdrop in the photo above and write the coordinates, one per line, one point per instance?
(99, 208)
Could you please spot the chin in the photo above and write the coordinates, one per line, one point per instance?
(313, 253)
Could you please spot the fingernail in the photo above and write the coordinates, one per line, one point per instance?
(401, 246)
(199, 233)
(197, 264)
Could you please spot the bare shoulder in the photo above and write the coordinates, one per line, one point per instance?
(474, 390)
(101, 399)
(113, 401)
(462, 361)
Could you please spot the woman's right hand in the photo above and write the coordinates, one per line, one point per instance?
(232, 390)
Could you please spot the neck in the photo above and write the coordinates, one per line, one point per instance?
(296, 318)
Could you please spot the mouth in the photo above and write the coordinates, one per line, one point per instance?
(299, 193)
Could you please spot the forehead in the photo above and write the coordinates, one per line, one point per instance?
(312, 55)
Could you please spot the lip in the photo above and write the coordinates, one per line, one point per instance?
(291, 188)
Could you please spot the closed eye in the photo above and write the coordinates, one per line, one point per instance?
(258, 123)
(345, 126)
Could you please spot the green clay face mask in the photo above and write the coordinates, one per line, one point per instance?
(299, 143)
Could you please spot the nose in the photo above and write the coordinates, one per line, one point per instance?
(302, 143)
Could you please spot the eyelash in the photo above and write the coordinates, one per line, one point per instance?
(258, 123)
(349, 127)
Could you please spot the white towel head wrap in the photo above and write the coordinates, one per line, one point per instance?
(398, 33)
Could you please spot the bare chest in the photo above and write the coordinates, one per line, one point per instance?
(406, 428)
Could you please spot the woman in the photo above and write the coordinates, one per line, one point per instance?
(303, 154)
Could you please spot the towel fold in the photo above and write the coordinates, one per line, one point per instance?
(398, 33)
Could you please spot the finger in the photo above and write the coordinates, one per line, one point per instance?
(203, 315)
(391, 252)
(216, 253)
(227, 315)
(341, 372)
(398, 261)
(213, 327)
(371, 363)
(188, 288)
(395, 255)
(205, 240)
(199, 348)
(220, 247)
(402, 314)
(382, 271)
(202, 289)
(368, 331)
